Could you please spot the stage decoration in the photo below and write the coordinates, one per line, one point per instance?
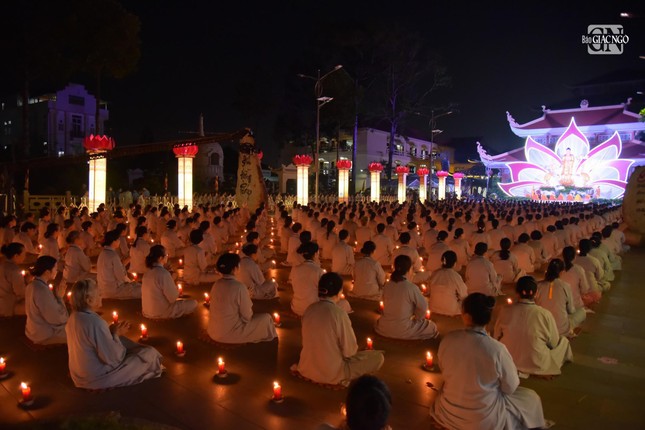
(458, 176)
(97, 148)
(185, 153)
(302, 163)
(423, 190)
(375, 181)
(441, 175)
(402, 172)
(343, 167)
(572, 171)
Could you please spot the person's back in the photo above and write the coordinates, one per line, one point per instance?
(404, 313)
(304, 280)
(368, 279)
(555, 296)
(342, 260)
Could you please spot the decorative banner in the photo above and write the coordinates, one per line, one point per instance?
(571, 171)
(250, 190)
(634, 206)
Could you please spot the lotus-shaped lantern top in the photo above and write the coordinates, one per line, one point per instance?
(422, 171)
(185, 150)
(442, 174)
(458, 175)
(571, 164)
(344, 164)
(98, 143)
(402, 170)
(302, 160)
(375, 167)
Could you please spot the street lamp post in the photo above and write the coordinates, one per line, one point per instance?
(433, 131)
(320, 102)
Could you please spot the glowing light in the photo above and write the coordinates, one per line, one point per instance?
(185, 155)
(458, 177)
(441, 175)
(97, 181)
(375, 181)
(343, 180)
(302, 163)
(423, 190)
(402, 172)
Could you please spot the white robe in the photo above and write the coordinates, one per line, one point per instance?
(369, 279)
(577, 280)
(481, 387)
(160, 295)
(462, 248)
(172, 243)
(195, 266)
(525, 257)
(447, 290)
(112, 279)
(327, 243)
(304, 280)
(384, 249)
(342, 260)
(12, 289)
(556, 298)
(138, 253)
(481, 277)
(251, 276)
(50, 248)
(434, 255)
(46, 314)
(293, 243)
(404, 313)
(329, 350)
(98, 359)
(531, 336)
(509, 269)
(363, 234)
(231, 318)
(77, 265)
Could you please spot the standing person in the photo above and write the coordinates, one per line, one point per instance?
(481, 387)
(231, 318)
(111, 276)
(447, 289)
(480, 276)
(12, 281)
(46, 312)
(99, 356)
(530, 334)
(555, 295)
(159, 294)
(404, 306)
(251, 275)
(369, 277)
(329, 350)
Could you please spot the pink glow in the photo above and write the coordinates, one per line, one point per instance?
(185, 150)
(422, 171)
(344, 164)
(402, 169)
(375, 167)
(302, 160)
(442, 174)
(96, 143)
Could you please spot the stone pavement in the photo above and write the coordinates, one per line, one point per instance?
(602, 389)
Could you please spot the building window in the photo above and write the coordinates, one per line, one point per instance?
(77, 127)
(412, 168)
(214, 159)
(76, 100)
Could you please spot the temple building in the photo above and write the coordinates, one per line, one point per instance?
(572, 154)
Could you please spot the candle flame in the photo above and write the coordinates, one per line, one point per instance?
(220, 361)
(275, 384)
(143, 327)
(429, 355)
(509, 301)
(276, 315)
(23, 385)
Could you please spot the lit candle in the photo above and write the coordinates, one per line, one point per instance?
(509, 301)
(424, 288)
(129, 237)
(3, 366)
(429, 360)
(277, 392)
(134, 276)
(180, 349)
(180, 289)
(115, 317)
(397, 247)
(23, 273)
(276, 319)
(324, 271)
(381, 306)
(273, 262)
(40, 247)
(69, 297)
(342, 296)
(370, 343)
(181, 261)
(144, 332)
(25, 389)
(51, 287)
(221, 367)
(428, 313)
(207, 299)
(273, 280)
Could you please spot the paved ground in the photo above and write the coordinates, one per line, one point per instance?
(591, 394)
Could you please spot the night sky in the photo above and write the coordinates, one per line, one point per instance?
(500, 58)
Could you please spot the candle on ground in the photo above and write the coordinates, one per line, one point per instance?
(428, 313)
(115, 317)
(207, 299)
(134, 276)
(144, 332)
(180, 289)
(370, 343)
(342, 296)
(221, 367)
(51, 287)
(69, 297)
(509, 301)
(277, 392)
(181, 261)
(180, 349)
(3, 366)
(276, 319)
(25, 389)
(40, 247)
(381, 306)
(273, 263)
(429, 360)
(23, 273)
(424, 288)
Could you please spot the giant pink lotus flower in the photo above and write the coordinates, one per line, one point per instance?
(572, 163)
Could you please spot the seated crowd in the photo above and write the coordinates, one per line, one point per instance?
(449, 258)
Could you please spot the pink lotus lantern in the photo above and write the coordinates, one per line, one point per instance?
(458, 176)
(185, 153)
(343, 167)
(375, 181)
(402, 172)
(442, 183)
(302, 163)
(423, 190)
(97, 147)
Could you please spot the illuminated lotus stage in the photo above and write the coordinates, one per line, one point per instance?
(572, 170)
